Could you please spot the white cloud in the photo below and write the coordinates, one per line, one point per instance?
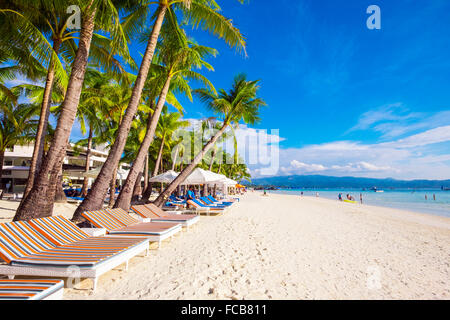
(307, 167)
(395, 120)
(436, 135)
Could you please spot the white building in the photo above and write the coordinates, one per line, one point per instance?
(18, 159)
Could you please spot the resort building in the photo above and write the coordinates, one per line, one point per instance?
(18, 159)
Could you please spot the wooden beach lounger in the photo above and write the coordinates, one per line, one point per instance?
(27, 289)
(158, 215)
(154, 231)
(55, 247)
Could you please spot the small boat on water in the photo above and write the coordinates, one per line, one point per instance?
(376, 190)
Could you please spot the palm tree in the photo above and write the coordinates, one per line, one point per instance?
(48, 19)
(38, 202)
(90, 112)
(167, 125)
(239, 104)
(17, 125)
(178, 64)
(204, 13)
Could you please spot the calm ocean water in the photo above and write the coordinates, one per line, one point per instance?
(413, 200)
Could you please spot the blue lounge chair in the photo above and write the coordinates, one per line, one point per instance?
(225, 203)
(210, 203)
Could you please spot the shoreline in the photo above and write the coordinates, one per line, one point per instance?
(405, 206)
(405, 214)
(288, 247)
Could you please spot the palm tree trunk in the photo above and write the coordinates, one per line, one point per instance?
(112, 188)
(213, 154)
(148, 192)
(38, 151)
(60, 196)
(2, 158)
(37, 203)
(146, 172)
(187, 171)
(95, 197)
(175, 159)
(124, 199)
(158, 159)
(137, 190)
(87, 165)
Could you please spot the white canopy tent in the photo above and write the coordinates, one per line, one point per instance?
(93, 173)
(166, 177)
(200, 176)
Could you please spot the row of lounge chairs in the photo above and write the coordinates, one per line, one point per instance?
(56, 247)
(200, 205)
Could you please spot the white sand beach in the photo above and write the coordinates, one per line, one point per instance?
(288, 247)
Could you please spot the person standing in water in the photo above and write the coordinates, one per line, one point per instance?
(340, 196)
(426, 198)
(360, 197)
(434, 197)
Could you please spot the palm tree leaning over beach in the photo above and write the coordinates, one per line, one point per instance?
(48, 17)
(239, 104)
(178, 62)
(204, 13)
(39, 201)
(168, 123)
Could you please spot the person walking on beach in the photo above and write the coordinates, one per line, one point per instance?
(340, 196)
(301, 193)
(360, 197)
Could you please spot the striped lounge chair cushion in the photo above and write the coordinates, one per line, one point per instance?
(21, 244)
(58, 230)
(101, 219)
(84, 253)
(162, 214)
(122, 216)
(19, 239)
(146, 229)
(28, 289)
(143, 211)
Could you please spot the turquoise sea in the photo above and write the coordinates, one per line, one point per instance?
(413, 200)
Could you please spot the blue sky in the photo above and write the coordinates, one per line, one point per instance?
(346, 100)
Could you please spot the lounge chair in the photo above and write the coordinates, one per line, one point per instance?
(208, 202)
(226, 203)
(155, 232)
(158, 215)
(27, 289)
(55, 247)
(200, 206)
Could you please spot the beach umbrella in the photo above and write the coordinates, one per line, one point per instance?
(166, 177)
(200, 176)
(93, 173)
(229, 182)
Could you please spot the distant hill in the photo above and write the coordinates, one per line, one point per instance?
(318, 181)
